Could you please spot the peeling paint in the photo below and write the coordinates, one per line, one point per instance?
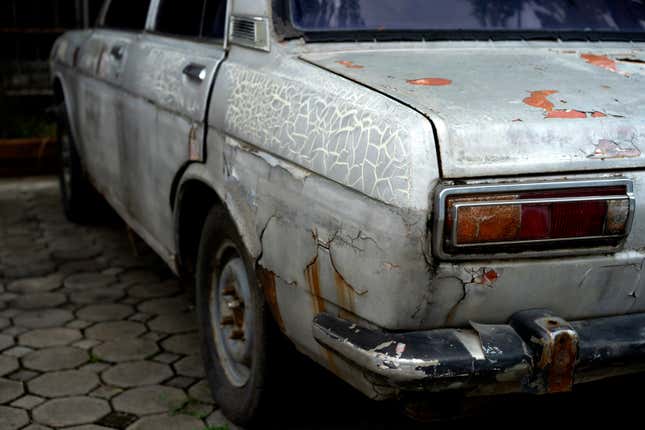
(312, 273)
(609, 149)
(539, 99)
(601, 61)
(432, 82)
(349, 64)
(267, 280)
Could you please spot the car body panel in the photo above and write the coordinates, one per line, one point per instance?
(505, 109)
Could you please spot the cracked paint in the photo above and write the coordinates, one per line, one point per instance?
(539, 99)
(333, 133)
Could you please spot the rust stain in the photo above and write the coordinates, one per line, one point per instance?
(609, 149)
(562, 363)
(349, 64)
(540, 99)
(433, 82)
(563, 113)
(312, 273)
(267, 280)
(344, 292)
(601, 61)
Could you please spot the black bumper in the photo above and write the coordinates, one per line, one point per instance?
(535, 352)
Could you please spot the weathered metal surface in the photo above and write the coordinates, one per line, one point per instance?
(513, 108)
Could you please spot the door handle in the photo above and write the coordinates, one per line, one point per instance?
(117, 52)
(196, 72)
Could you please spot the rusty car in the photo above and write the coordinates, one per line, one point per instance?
(422, 197)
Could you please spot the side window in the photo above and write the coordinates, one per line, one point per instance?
(127, 14)
(192, 18)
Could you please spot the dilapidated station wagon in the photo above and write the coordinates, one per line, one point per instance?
(420, 195)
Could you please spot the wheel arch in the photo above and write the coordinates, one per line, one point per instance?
(62, 96)
(197, 193)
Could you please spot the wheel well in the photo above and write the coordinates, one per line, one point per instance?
(195, 201)
(59, 94)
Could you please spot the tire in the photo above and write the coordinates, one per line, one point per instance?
(80, 200)
(235, 322)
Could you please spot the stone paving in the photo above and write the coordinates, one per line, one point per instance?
(96, 337)
(92, 337)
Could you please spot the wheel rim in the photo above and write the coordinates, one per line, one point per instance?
(232, 318)
(66, 161)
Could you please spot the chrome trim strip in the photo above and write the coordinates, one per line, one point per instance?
(444, 191)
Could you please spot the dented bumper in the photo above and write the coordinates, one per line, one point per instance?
(536, 352)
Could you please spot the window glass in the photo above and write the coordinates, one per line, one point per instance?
(127, 14)
(459, 15)
(180, 17)
(214, 19)
(192, 18)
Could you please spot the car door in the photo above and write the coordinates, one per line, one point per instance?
(169, 75)
(101, 62)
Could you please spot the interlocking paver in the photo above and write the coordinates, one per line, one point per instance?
(190, 366)
(149, 400)
(58, 358)
(174, 323)
(97, 295)
(4, 323)
(201, 391)
(71, 411)
(136, 373)
(43, 318)
(105, 312)
(27, 402)
(187, 344)
(165, 305)
(6, 341)
(39, 301)
(115, 330)
(86, 281)
(48, 337)
(36, 285)
(12, 418)
(156, 290)
(17, 351)
(106, 392)
(126, 350)
(10, 390)
(63, 384)
(174, 422)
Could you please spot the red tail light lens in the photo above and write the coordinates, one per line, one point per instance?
(525, 219)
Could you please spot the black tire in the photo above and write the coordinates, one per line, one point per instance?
(220, 247)
(80, 201)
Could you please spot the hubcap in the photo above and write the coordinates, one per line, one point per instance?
(232, 320)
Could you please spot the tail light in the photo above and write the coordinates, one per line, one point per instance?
(493, 219)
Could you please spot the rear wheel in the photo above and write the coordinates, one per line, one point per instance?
(234, 321)
(80, 200)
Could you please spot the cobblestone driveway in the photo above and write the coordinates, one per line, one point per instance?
(91, 334)
(93, 337)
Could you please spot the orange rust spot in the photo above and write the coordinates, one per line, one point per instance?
(433, 82)
(488, 223)
(601, 61)
(344, 293)
(562, 113)
(562, 363)
(491, 276)
(539, 99)
(349, 64)
(312, 273)
(267, 280)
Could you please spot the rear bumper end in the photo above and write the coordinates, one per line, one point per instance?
(536, 352)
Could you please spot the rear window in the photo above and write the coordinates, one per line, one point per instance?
(192, 18)
(127, 14)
